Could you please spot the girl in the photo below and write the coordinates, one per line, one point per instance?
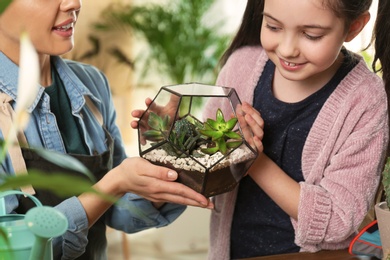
(62, 120)
(325, 120)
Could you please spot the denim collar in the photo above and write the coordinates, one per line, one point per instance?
(74, 87)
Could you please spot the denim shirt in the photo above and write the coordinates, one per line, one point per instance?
(133, 213)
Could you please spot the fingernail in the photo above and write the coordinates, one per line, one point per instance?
(172, 175)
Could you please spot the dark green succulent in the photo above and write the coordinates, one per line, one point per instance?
(184, 139)
(221, 133)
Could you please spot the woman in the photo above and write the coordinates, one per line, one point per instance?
(65, 118)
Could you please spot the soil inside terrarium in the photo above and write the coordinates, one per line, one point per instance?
(209, 175)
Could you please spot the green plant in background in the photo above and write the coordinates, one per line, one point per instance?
(181, 45)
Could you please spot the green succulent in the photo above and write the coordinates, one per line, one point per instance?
(159, 127)
(221, 133)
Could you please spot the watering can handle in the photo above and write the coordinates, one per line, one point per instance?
(15, 192)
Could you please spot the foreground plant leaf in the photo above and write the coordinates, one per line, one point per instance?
(28, 87)
(65, 161)
(3, 5)
(60, 184)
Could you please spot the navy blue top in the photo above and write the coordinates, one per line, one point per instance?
(260, 227)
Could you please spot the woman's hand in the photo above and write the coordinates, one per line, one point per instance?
(155, 183)
(252, 125)
(137, 175)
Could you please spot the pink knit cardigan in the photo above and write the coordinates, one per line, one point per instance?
(341, 162)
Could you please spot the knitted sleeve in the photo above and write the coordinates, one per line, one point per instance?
(342, 161)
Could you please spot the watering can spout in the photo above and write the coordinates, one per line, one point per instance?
(45, 223)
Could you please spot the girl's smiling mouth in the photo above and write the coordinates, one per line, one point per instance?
(291, 66)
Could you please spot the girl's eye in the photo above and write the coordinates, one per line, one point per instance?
(272, 28)
(312, 38)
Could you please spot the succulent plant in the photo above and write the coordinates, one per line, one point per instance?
(184, 139)
(189, 134)
(159, 127)
(221, 133)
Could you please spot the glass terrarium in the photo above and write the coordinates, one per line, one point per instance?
(207, 148)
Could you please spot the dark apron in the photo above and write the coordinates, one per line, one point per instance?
(99, 165)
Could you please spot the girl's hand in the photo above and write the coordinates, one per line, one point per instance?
(154, 183)
(252, 125)
(137, 113)
(162, 110)
(169, 109)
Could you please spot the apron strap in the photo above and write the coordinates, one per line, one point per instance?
(95, 111)
(14, 150)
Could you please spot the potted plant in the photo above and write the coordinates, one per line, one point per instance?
(210, 156)
(383, 213)
(180, 44)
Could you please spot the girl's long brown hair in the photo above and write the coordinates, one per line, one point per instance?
(249, 31)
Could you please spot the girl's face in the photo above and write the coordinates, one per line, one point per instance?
(301, 37)
(49, 23)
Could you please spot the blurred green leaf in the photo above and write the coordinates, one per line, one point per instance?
(60, 184)
(182, 45)
(3, 5)
(65, 161)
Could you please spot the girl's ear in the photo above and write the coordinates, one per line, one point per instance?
(357, 26)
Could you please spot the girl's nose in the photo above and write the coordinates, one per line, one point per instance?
(288, 46)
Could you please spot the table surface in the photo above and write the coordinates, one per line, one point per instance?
(322, 255)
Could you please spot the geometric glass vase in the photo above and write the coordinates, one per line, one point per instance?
(209, 152)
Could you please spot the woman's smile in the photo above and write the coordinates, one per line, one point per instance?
(65, 29)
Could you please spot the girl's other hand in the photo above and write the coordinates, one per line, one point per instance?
(252, 125)
(137, 113)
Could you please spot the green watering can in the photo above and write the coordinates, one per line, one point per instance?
(29, 236)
